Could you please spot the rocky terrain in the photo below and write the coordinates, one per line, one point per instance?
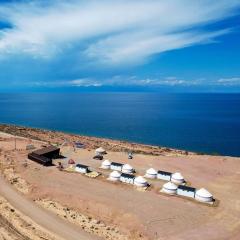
(16, 226)
(89, 142)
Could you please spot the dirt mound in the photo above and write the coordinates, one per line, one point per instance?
(15, 225)
(89, 224)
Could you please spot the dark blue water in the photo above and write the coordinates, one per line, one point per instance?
(208, 123)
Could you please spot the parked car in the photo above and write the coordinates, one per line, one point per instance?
(130, 155)
(98, 157)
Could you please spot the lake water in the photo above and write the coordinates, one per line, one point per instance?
(208, 123)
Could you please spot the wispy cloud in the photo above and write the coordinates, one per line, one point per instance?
(235, 81)
(83, 82)
(118, 80)
(135, 81)
(110, 32)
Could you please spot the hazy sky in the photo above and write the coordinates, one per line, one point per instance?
(174, 45)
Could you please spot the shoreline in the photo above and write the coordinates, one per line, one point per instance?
(92, 142)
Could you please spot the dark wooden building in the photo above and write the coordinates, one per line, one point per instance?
(45, 155)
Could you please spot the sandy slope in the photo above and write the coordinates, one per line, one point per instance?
(41, 216)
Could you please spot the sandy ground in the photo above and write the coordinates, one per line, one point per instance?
(16, 226)
(138, 215)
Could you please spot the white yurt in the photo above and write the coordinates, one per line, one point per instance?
(140, 181)
(169, 188)
(127, 168)
(106, 164)
(202, 195)
(177, 178)
(151, 173)
(100, 150)
(115, 176)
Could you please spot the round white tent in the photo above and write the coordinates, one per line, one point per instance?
(169, 188)
(202, 195)
(140, 181)
(127, 168)
(100, 150)
(114, 176)
(177, 178)
(151, 173)
(106, 164)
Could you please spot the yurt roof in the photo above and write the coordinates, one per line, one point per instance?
(203, 193)
(127, 166)
(100, 149)
(151, 171)
(170, 185)
(178, 176)
(106, 162)
(140, 179)
(115, 174)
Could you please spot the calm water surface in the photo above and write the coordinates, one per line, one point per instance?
(208, 123)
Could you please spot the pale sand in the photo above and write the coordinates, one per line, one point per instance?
(139, 214)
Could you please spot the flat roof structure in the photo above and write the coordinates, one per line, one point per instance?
(117, 164)
(44, 155)
(126, 175)
(164, 173)
(46, 150)
(82, 166)
(186, 188)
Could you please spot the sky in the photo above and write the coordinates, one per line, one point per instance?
(108, 45)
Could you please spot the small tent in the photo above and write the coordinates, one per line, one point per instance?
(71, 161)
(106, 164)
(100, 150)
(177, 178)
(140, 181)
(127, 168)
(169, 188)
(203, 195)
(151, 173)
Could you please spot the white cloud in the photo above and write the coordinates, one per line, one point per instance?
(82, 82)
(110, 32)
(229, 81)
(126, 81)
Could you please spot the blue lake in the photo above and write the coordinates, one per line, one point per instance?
(208, 123)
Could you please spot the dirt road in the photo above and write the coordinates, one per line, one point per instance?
(42, 217)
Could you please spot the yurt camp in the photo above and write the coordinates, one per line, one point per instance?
(140, 181)
(106, 164)
(169, 188)
(151, 173)
(127, 168)
(114, 176)
(100, 151)
(177, 178)
(202, 195)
